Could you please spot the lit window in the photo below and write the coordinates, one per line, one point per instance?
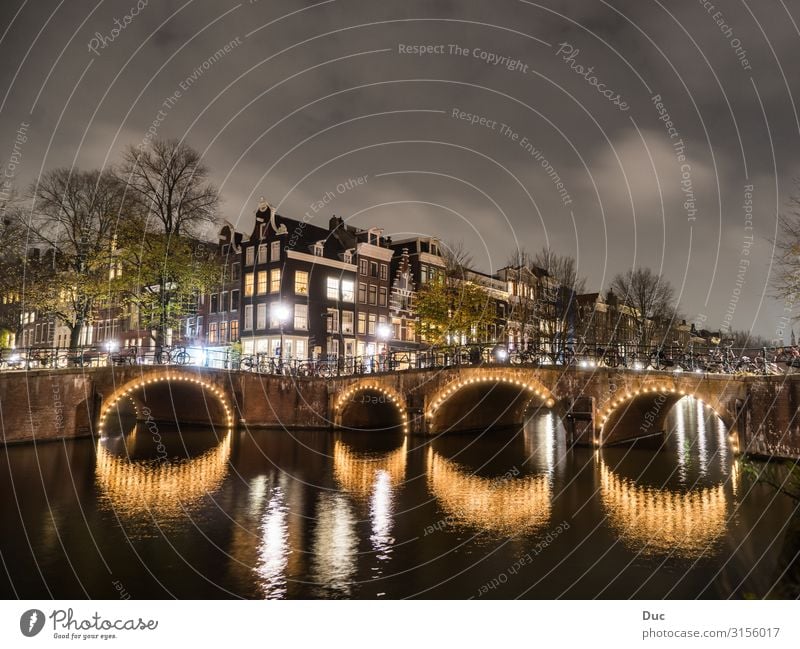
(362, 323)
(234, 331)
(333, 288)
(248, 284)
(301, 282)
(371, 330)
(347, 322)
(347, 290)
(262, 282)
(275, 280)
(301, 316)
(212, 332)
(333, 321)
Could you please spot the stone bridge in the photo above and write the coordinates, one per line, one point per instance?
(601, 406)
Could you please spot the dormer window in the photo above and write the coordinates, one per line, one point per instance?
(319, 249)
(348, 257)
(434, 247)
(374, 236)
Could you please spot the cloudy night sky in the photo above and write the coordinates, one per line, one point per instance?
(291, 100)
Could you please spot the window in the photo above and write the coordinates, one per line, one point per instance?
(373, 293)
(373, 269)
(261, 288)
(362, 266)
(248, 284)
(382, 296)
(199, 327)
(347, 322)
(384, 271)
(333, 288)
(275, 280)
(362, 293)
(261, 316)
(189, 328)
(234, 331)
(347, 258)
(223, 301)
(362, 323)
(347, 291)
(434, 247)
(236, 272)
(214, 303)
(275, 251)
(423, 273)
(319, 249)
(223, 332)
(248, 256)
(262, 253)
(371, 330)
(234, 300)
(333, 321)
(212, 332)
(301, 316)
(248, 317)
(301, 282)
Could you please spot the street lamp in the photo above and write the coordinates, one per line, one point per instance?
(282, 314)
(385, 334)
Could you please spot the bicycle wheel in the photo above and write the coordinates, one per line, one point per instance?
(182, 358)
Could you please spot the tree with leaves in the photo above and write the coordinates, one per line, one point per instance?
(174, 203)
(451, 310)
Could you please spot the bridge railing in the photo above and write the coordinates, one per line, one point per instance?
(677, 358)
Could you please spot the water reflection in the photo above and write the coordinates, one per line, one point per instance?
(164, 489)
(356, 472)
(664, 521)
(545, 443)
(503, 505)
(273, 550)
(683, 508)
(335, 549)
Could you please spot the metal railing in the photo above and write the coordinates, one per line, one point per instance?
(713, 359)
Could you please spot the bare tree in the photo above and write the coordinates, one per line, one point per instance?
(650, 298)
(169, 184)
(74, 219)
(785, 281)
(557, 302)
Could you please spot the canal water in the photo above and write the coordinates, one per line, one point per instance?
(153, 513)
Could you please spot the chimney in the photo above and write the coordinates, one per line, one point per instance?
(334, 223)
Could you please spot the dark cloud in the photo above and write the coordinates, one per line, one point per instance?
(309, 100)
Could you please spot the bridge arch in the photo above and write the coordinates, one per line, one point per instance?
(170, 396)
(453, 407)
(369, 405)
(636, 412)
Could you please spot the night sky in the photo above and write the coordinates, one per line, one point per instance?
(478, 122)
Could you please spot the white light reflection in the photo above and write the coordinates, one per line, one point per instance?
(701, 438)
(381, 512)
(335, 545)
(273, 551)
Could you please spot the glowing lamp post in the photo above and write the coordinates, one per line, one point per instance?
(385, 334)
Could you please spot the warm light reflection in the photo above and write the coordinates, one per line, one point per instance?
(355, 472)
(157, 487)
(335, 548)
(503, 505)
(273, 549)
(662, 521)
